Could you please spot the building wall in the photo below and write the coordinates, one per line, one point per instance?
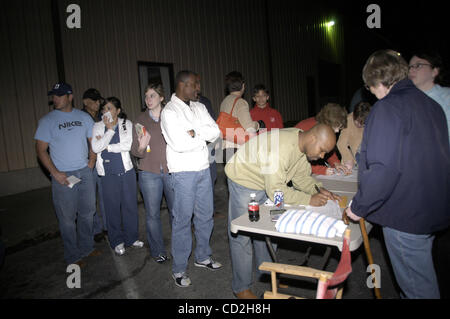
(208, 37)
(271, 42)
(299, 40)
(28, 69)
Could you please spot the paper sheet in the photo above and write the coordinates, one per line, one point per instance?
(73, 180)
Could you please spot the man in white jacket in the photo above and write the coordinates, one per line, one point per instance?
(187, 126)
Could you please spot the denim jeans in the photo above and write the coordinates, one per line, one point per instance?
(120, 199)
(152, 186)
(241, 246)
(411, 259)
(213, 173)
(192, 197)
(75, 208)
(99, 216)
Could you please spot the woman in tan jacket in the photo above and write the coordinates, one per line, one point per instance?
(235, 88)
(351, 136)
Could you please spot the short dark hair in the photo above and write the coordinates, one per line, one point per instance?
(361, 112)
(158, 88)
(260, 87)
(435, 60)
(234, 82)
(183, 75)
(116, 102)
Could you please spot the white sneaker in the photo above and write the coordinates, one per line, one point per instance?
(138, 244)
(181, 279)
(120, 249)
(209, 263)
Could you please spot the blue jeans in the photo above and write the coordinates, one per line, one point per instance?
(241, 246)
(75, 208)
(99, 216)
(120, 200)
(412, 261)
(152, 186)
(192, 197)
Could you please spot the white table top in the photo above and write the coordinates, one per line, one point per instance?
(338, 186)
(266, 226)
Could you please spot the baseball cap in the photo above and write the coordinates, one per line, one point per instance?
(60, 89)
(92, 94)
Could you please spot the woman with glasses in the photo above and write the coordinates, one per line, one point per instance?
(425, 70)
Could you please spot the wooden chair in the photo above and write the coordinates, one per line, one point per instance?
(327, 281)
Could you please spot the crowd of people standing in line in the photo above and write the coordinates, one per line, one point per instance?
(169, 151)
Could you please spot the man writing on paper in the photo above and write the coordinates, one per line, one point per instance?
(261, 166)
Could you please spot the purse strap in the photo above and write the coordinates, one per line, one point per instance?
(234, 103)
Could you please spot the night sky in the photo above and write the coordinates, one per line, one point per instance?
(406, 26)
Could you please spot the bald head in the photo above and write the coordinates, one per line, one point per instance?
(318, 141)
(324, 134)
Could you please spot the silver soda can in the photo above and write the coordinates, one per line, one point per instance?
(278, 199)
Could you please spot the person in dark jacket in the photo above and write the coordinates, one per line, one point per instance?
(404, 169)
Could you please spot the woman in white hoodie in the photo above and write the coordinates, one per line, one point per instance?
(112, 138)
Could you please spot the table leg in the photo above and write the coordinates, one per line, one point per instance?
(271, 251)
(324, 259)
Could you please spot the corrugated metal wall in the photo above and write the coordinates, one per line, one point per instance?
(211, 37)
(298, 40)
(28, 68)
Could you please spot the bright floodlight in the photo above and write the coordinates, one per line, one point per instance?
(330, 24)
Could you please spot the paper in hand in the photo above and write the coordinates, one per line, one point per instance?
(140, 129)
(108, 116)
(73, 180)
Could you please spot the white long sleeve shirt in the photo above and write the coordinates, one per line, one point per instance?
(99, 145)
(186, 153)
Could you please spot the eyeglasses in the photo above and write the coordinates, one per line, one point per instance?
(367, 87)
(418, 66)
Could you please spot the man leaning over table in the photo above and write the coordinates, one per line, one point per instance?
(263, 165)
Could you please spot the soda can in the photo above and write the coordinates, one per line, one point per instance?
(278, 199)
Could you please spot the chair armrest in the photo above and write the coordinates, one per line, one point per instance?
(294, 270)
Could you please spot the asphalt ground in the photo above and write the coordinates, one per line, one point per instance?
(34, 267)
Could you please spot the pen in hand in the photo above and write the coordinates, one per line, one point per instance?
(317, 188)
(329, 166)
